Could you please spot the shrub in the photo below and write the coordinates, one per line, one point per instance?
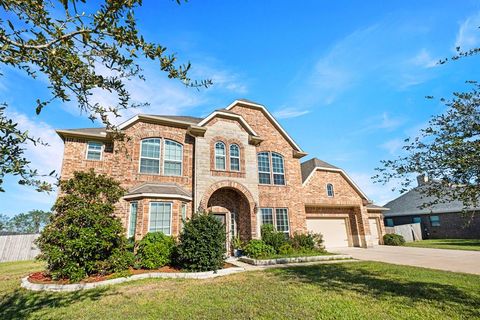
(393, 240)
(286, 249)
(120, 260)
(272, 237)
(84, 237)
(258, 249)
(154, 250)
(307, 242)
(202, 243)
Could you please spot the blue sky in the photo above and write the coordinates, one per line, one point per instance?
(347, 79)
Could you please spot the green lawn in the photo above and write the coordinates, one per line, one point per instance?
(355, 290)
(456, 244)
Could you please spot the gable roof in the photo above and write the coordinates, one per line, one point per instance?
(100, 133)
(248, 103)
(228, 114)
(310, 166)
(409, 203)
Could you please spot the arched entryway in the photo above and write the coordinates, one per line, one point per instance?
(235, 208)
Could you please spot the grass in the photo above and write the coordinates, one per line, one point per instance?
(456, 244)
(355, 290)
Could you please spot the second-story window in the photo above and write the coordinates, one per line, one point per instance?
(234, 157)
(264, 168)
(150, 156)
(271, 168)
(172, 162)
(220, 156)
(94, 150)
(330, 191)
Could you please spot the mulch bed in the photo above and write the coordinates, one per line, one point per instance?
(43, 278)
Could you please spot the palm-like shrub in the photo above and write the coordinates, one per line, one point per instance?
(84, 237)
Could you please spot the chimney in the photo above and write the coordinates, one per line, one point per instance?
(422, 179)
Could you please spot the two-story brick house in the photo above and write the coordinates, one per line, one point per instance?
(238, 163)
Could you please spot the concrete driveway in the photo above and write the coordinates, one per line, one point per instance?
(441, 259)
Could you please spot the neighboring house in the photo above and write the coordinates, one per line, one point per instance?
(442, 220)
(238, 162)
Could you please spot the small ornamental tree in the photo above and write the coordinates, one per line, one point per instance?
(84, 237)
(202, 243)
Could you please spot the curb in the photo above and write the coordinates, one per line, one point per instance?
(270, 262)
(83, 286)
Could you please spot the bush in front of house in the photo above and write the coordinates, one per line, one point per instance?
(307, 242)
(391, 239)
(272, 237)
(286, 249)
(258, 249)
(154, 250)
(202, 243)
(84, 237)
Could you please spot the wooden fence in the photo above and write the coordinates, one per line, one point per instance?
(18, 247)
(410, 232)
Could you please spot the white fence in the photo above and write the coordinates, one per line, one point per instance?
(18, 247)
(410, 232)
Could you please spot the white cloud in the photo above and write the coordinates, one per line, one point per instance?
(468, 35)
(424, 59)
(393, 145)
(383, 121)
(286, 113)
(377, 192)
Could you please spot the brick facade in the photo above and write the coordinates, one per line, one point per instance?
(236, 194)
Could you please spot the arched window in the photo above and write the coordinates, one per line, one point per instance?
(271, 168)
(234, 157)
(150, 156)
(278, 170)
(220, 156)
(330, 191)
(172, 160)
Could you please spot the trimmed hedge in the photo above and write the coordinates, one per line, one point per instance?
(154, 250)
(391, 239)
(202, 244)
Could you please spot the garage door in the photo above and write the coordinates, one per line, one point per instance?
(334, 231)
(374, 230)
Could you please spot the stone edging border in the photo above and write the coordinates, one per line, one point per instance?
(172, 275)
(269, 262)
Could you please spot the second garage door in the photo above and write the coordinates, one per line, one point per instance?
(334, 231)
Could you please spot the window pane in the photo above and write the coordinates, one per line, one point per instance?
(389, 222)
(264, 178)
(266, 216)
(279, 179)
(151, 148)
(94, 155)
(234, 151)
(173, 150)
(282, 219)
(235, 164)
(220, 162)
(160, 216)
(133, 219)
(220, 156)
(149, 166)
(184, 215)
(172, 168)
(330, 192)
(219, 149)
(435, 221)
(277, 163)
(263, 168)
(94, 150)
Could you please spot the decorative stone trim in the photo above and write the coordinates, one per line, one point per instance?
(91, 285)
(268, 262)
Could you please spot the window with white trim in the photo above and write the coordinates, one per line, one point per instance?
(172, 161)
(266, 216)
(160, 217)
(330, 192)
(150, 156)
(279, 220)
(132, 221)
(234, 157)
(263, 168)
(94, 150)
(271, 168)
(220, 156)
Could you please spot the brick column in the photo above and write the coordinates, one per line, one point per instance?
(365, 239)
